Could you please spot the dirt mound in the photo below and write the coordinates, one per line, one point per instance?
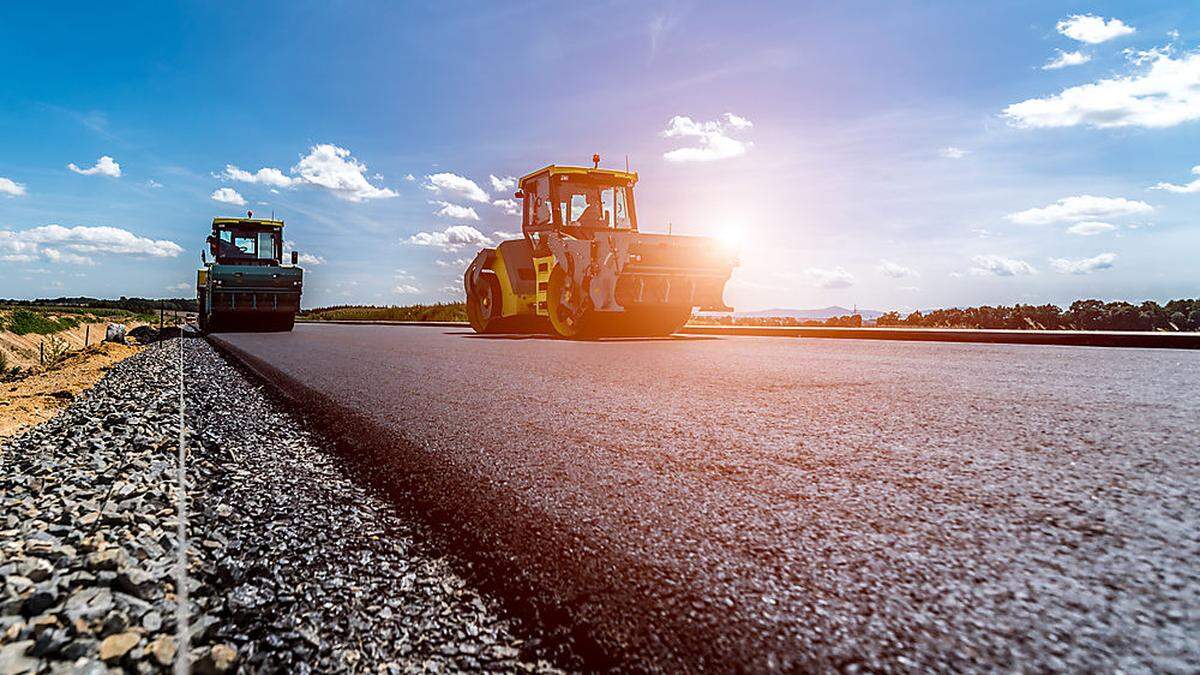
(40, 396)
(22, 350)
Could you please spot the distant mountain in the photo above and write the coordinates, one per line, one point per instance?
(815, 314)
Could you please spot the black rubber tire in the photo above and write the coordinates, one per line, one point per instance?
(577, 326)
(658, 322)
(483, 305)
(641, 322)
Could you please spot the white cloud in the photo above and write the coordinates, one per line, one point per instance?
(1089, 227)
(1065, 59)
(409, 177)
(499, 234)
(304, 258)
(1093, 29)
(999, 266)
(738, 122)
(14, 248)
(1082, 207)
(264, 176)
(952, 152)
(896, 271)
(325, 166)
(714, 140)
(1164, 95)
(455, 212)
(456, 186)
(829, 278)
(228, 196)
(405, 289)
(55, 255)
(660, 26)
(511, 207)
(334, 169)
(452, 238)
(181, 286)
(80, 245)
(502, 185)
(1193, 186)
(105, 166)
(11, 188)
(457, 263)
(151, 183)
(1103, 261)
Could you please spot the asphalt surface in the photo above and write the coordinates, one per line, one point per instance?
(759, 503)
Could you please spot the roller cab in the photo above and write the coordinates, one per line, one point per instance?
(247, 286)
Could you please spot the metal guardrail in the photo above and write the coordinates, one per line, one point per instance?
(1138, 339)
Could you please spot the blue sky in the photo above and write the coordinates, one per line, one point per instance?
(887, 155)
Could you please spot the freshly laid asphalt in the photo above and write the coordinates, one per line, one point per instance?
(742, 503)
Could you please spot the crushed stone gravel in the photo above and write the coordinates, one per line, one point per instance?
(321, 574)
(294, 565)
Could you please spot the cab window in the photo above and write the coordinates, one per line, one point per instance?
(245, 244)
(539, 202)
(578, 206)
(619, 210)
(266, 245)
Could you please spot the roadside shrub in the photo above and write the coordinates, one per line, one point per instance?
(56, 351)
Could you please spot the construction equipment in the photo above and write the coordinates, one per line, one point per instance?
(247, 286)
(583, 270)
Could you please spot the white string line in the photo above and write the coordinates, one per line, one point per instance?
(183, 663)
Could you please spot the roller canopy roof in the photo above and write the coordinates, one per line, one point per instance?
(249, 222)
(554, 170)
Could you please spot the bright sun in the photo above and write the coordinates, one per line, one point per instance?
(731, 235)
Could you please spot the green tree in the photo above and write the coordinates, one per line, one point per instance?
(889, 319)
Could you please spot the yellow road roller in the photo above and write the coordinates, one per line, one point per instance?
(582, 269)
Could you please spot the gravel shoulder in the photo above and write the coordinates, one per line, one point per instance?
(320, 573)
(294, 565)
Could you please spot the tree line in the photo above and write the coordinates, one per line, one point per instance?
(1176, 315)
(135, 305)
(450, 311)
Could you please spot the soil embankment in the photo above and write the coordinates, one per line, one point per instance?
(38, 397)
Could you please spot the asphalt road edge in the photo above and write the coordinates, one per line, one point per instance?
(1065, 338)
(374, 451)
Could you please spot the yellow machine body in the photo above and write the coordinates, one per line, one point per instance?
(582, 268)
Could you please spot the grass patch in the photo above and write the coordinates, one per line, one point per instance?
(25, 322)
